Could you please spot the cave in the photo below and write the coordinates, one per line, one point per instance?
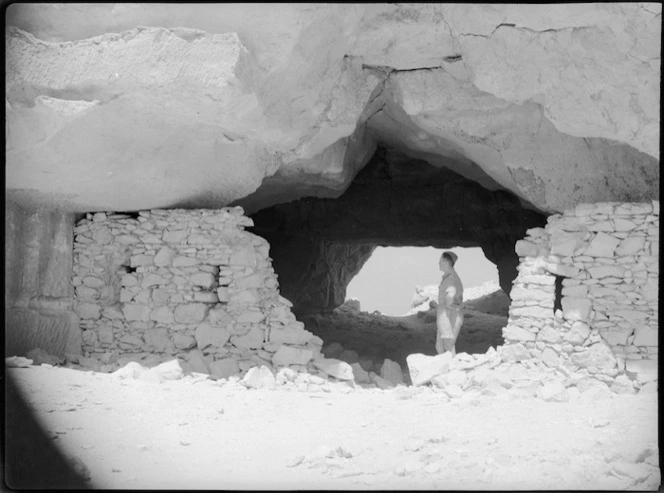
(319, 244)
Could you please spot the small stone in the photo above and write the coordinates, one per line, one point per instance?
(190, 313)
(164, 257)
(576, 308)
(391, 371)
(259, 377)
(184, 341)
(553, 392)
(333, 350)
(453, 391)
(253, 339)
(350, 356)
(163, 315)
(287, 355)
(211, 335)
(423, 368)
(285, 375)
(623, 385)
(202, 279)
(131, 370)
(514, 352)
(293, 334)
(578, 333)
(224, 368)
(550, 358)
(380, 382)
(170, 370)
(644, 370)
(334, 367)
(361, 375)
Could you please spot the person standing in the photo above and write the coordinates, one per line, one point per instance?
(449, 316)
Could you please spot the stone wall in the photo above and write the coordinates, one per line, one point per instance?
(603, 315)
(38, 295)
(191, 283)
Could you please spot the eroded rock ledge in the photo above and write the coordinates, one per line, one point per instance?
(209, 104)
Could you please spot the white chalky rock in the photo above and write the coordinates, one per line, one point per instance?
(170, 370)
(578, 333)
(224, 368)
(190, 313)
(285, 375)
(197, 362)
(287, 355)
(606, 271)
(177, 236)
(576, 308)
(131, 370)
(623, 385)
(514, 352)
(597, 355)
(259, 377)
(644, 370)
(645, 336)
(391, 371)
(514, 333)
(162, 314)
(423, 368)
(602, 245)
(293, 334)
(164, 257)
(202, 279)
(553, 392)
(211, 335)
(158, 339)
(335, 368)
(184, 341)
(631, 245)
(183, 261)
(380, 382)
(253, 339)
(136, 312)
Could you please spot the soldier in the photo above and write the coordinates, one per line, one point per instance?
(450, 298)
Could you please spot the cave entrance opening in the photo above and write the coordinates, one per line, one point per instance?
(319, 244)
(390, 310)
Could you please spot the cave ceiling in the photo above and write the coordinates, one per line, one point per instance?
(138, 106)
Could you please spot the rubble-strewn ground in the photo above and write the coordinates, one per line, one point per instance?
(197, 434)
(498, 427)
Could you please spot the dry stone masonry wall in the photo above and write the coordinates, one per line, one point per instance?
(603, 315)
(191, 283)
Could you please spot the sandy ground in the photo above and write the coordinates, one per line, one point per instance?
(198, 434)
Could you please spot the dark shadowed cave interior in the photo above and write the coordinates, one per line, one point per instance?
(318, 245)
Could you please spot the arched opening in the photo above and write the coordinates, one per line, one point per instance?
(318, 245)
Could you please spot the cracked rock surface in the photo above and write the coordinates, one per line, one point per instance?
(156, 106)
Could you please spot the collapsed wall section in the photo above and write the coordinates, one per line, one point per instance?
(587, 290)
(191, 283)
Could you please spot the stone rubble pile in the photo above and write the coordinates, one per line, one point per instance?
(606, 258)
(190, 283)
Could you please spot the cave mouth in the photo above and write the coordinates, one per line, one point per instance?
(318, 245)
(390, 311)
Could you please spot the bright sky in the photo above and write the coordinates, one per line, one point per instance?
(387, 280)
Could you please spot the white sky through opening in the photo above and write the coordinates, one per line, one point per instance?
(388, 279)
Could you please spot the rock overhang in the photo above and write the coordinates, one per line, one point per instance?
(222, 102)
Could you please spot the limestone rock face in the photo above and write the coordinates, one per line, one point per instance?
(558, 104)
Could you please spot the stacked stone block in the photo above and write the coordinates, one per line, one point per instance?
(181, 282)
(607, 257)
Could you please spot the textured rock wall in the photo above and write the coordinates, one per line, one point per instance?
(191, 283)
(38, 296)
(605, 256)
(558, 104)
